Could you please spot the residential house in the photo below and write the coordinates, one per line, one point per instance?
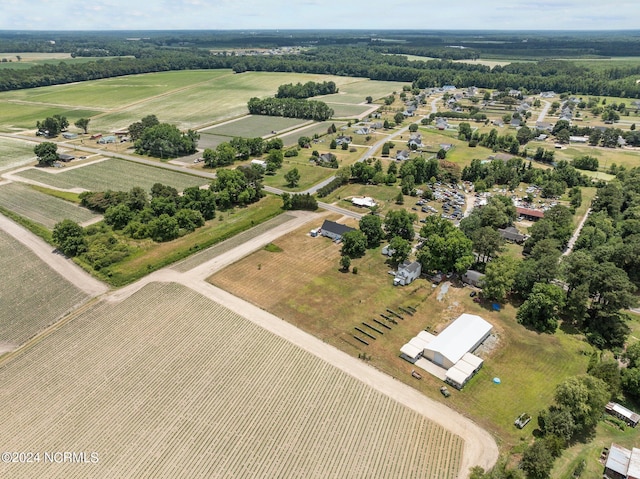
(364, 130)
(365, 202)
(402, 155)
(334, 230)
(407, 273)
(547, 94)
(578, 139)
(342, 139)
(512, 235)
(445, 146)
(441, 123)
(544, 126)
(515, 123)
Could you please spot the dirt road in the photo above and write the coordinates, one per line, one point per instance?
(480, 447)
(64, 266)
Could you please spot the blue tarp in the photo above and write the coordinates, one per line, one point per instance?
(495, 306)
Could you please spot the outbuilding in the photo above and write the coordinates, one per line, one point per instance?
(334, 230)
(407, 273)
(462, 336)
(472, 277)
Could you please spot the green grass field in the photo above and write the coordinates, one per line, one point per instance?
(255, 126)
(606, 156)
(14, 153)
(348, 111)
(112, 175)
(20, 116)
(309, 131)
(31, 293)
(40, 207)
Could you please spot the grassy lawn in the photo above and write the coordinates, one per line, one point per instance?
(356, 90)
(330, 304)
(310, 174)
(348, 111)
(253, 126)
(24, 116)
(606, 156)
(291, 138)
(112, 174)
(15, 153)
(152, 256)
(590, 452)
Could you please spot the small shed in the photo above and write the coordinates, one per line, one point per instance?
(65, 158)
(621, 412)
(261, 163)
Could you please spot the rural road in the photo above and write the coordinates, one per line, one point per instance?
(480, 448)
(576, 233)
(544, 111)
(65, 267)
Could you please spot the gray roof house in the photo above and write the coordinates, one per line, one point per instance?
(334, 230)
(402, 155)
(407, 273)
(513, 235)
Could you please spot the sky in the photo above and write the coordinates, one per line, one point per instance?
(319, 14)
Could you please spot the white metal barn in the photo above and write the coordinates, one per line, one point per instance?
(464, 335)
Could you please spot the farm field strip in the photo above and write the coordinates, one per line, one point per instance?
(253, 126)
(113, 174)
(166, 378)
(227, 245)
(40, 207)
(31, 293)
(14, 153)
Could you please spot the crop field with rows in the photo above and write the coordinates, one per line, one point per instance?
(171, 384)
(40, 207)
(32, 295)
(113, 175)
(15, 153)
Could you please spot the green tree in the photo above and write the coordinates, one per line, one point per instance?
(118, 216)
(83, 124)
(609, 371)
(371, 226)
(413, 127)
(47, 153)
(292, 177)
(537, 460)
(584, 397)
(450, 253)
(542, 308)
(164, 228)
(385, 149)
(486, 242)
(333, 145)
(69, 237)
(401, 249)
(354, 244)
(345, 262)
(499, 278)
(557, 422)
(632, 355)
(631, 381)
(400, 223)
(369, 99)
(398, 118)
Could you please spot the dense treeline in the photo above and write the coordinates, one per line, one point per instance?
(290, 108)
(560, 76)
(308, 90)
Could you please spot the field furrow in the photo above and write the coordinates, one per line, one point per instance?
(170, 384)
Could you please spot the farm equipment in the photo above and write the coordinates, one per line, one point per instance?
(416, 374)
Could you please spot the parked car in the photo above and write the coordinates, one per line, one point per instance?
(445, 392)
(472, 294)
